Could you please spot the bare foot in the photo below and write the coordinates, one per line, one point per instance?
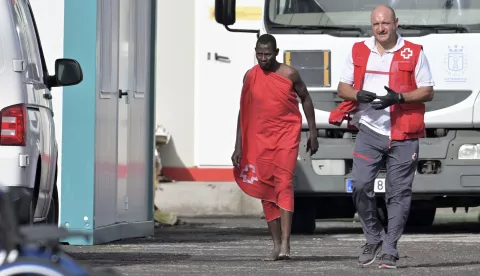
(274, 256)
(284, 252)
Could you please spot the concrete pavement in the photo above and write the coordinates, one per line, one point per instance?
(235, 246)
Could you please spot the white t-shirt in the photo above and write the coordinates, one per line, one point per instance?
(379, 120)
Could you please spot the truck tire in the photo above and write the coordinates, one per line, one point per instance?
(382, 216)
(418, 217)
(423, 217)
(303, 221)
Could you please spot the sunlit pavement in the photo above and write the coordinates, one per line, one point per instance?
(236, 246)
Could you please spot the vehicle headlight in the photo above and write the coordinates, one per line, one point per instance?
(469, 151)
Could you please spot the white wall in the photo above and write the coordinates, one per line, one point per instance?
(175, 79)
(49, 20)
(218, 82)
(189, 85)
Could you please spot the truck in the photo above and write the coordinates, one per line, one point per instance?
(316, 36)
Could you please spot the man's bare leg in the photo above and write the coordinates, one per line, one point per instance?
(272, 215)
(275, 232)
(286, 226)
(285, 201)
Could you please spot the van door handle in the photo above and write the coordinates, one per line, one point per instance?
(221, 58)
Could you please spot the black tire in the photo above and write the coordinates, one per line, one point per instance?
(382, 216)
(303, 221)
(418, 217)
(421, 217)
(27, 218)
(52, 216)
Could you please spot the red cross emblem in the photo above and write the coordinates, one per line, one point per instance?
(248, 174)
(406, 53)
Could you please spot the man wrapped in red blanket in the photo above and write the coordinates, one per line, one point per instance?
(268, 137)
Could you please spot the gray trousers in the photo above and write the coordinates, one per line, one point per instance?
(401, 159)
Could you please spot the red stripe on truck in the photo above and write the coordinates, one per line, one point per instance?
(199, 174)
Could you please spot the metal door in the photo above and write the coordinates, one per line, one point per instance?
(106, 113)
(139, 130)
(125, 88)
(133, 111)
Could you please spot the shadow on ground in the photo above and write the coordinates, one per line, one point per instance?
(448, 264)
(443, 228)
(193, 246)
(194, 232)
(109, 259)
(198, 233)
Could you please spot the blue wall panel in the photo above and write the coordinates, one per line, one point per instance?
(78, 149)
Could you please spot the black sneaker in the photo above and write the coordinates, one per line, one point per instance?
(369, 254)
(388, 261)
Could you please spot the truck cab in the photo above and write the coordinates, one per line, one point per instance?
(316, 36)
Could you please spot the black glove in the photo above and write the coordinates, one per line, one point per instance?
(364, 96)
(391, 98)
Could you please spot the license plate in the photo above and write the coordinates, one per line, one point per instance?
(378, 185)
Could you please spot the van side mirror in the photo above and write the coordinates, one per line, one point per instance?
(67, 72)
(225, 12)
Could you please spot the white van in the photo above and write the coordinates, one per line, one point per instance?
(28, 147)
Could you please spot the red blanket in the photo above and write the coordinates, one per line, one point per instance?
(342, 112)
(270, 126)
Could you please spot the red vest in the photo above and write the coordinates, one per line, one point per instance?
(407, 119)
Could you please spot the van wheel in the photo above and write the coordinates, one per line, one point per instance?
(52, 216)
(27, 217)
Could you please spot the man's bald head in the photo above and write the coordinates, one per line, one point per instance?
(386, 10)
(384, 26)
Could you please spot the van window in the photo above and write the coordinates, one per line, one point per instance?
(26, 33)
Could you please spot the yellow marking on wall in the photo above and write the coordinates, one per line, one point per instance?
(326, 70)
(243, 13)
(287, 58)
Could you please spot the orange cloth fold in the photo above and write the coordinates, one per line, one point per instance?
(270, 122)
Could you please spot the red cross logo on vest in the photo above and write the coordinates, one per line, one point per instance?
(248, 174)
(406, 53)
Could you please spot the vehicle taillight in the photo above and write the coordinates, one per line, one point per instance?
(13, 119)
